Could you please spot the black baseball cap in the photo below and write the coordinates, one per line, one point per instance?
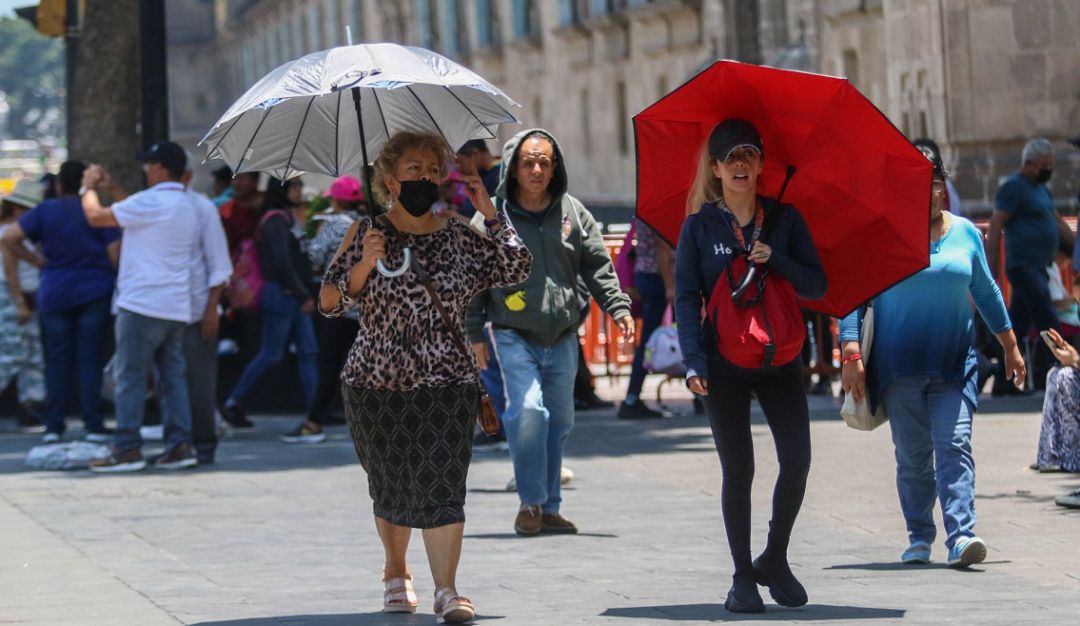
(733, 133)
(167, 153)
(1075, 141)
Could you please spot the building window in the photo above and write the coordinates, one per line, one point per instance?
(488, 25)
(573, 12)
(526, 19)
(621, 117)
(661, 86)
(427, 24)
(924, 125)
(606, 7)
(314, 31)
(455, 31)
(851, 66)
(393, 26)
(296, 33)
(355, 19)
(585, 122)
(334, 29)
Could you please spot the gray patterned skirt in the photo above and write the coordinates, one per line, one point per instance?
(1059, 437)
(416, 447)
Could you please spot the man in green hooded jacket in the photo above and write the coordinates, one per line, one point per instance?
(534, 323)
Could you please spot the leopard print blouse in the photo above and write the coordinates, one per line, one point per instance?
(403, 342)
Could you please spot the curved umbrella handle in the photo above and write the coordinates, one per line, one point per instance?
(389, 273)
(747, 281)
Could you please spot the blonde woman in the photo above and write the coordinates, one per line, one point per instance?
(411, 391)
(727, 221)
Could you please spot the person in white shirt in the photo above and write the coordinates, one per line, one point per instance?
(210, 271)
(155, 304)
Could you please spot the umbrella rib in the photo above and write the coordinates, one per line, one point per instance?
(337, 137)
(243, 156)
(424, 106)
(226, 134)
(299, 133)
(482, 125)
(382, 116)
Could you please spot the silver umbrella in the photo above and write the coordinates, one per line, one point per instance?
(327, 111)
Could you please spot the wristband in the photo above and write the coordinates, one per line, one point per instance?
(850, 358)
(491, 223)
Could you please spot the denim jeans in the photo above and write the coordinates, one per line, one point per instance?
(282, 319)
(539, 413)
(141, 343)
(931, 420)
(654, 302)
(75, 337)
(492, 379)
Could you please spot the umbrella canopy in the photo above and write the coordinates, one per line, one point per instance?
(301, 117)
(861, 186)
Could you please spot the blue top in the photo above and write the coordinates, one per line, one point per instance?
(77, 267)
(924, 326)
(706, 246)
(1031, 234)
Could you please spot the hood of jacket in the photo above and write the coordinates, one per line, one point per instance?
(507, 189)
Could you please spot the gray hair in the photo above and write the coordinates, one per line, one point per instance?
(1036, 148)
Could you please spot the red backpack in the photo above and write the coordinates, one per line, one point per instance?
(245, 286)
(756, 317)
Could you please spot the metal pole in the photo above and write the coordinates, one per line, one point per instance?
(152, 71)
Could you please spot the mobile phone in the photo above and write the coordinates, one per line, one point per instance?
(1050, 343)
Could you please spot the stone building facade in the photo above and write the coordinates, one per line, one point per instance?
(979, 76)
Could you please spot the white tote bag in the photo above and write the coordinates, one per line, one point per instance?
(857, 414)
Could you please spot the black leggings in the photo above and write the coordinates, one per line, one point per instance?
(782, 397)
(336, 336)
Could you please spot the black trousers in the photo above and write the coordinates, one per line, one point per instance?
(336, 336)
(782, 397)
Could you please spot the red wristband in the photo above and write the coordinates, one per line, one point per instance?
(850, 358)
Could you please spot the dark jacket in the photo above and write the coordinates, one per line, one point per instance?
(566, 245)
(280, 258)
(706, 245)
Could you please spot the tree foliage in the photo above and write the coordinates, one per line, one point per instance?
(32, 77)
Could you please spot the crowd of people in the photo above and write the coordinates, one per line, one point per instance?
(411, 297)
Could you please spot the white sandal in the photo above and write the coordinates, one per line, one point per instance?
(450, 608)
(399, 595)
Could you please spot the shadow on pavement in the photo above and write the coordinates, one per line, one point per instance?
(537, 537)
(717, 612)
(339, 619)
(896, 566)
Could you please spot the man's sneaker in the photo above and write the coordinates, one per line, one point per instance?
(528, 521)
(307, 432)
(101, 435)
(119, 461)
(1069, 500)
(967, 551)
(236, 417)
(51, 437)
(557, 525)
(180, 457)
(484, 442)
(637, 411)
(918, 553)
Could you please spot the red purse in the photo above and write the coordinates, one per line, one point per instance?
(756, 316)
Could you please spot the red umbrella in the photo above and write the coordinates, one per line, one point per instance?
(863, 189)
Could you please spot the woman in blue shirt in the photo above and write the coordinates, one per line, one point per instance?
(923, 369)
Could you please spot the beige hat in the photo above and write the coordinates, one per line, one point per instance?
(26, 193)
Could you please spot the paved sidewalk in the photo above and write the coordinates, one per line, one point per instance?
(276, 534)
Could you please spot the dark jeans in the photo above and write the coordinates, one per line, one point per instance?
(654, 302)
(1031, 306)
(201, 357)
(782, 397)
(282, 319)
(335, 336)
(75, 337)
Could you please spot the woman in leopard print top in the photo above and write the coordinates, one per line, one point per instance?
(411, 393)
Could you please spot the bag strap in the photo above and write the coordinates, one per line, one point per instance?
(429, 285)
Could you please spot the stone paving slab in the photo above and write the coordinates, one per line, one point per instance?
(277, 534)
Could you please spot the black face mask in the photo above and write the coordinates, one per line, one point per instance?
(417, 196)
(1044, 175)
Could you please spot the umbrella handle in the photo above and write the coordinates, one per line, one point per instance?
(746, 282)
(389, 273)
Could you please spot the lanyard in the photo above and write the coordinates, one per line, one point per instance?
(759, 220)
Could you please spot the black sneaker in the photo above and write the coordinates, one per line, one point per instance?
(484, 442)
(29, 415)
(593, 401)
(637, 411)
(236, 417)
(180, 457)
(204, 453)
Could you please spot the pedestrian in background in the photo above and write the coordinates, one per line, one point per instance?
(928, 387)
(728, 218)
(154, 303)
(74, 294)
(21, 356)
(410, 383)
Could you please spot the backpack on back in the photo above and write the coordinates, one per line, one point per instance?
(245, 285)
